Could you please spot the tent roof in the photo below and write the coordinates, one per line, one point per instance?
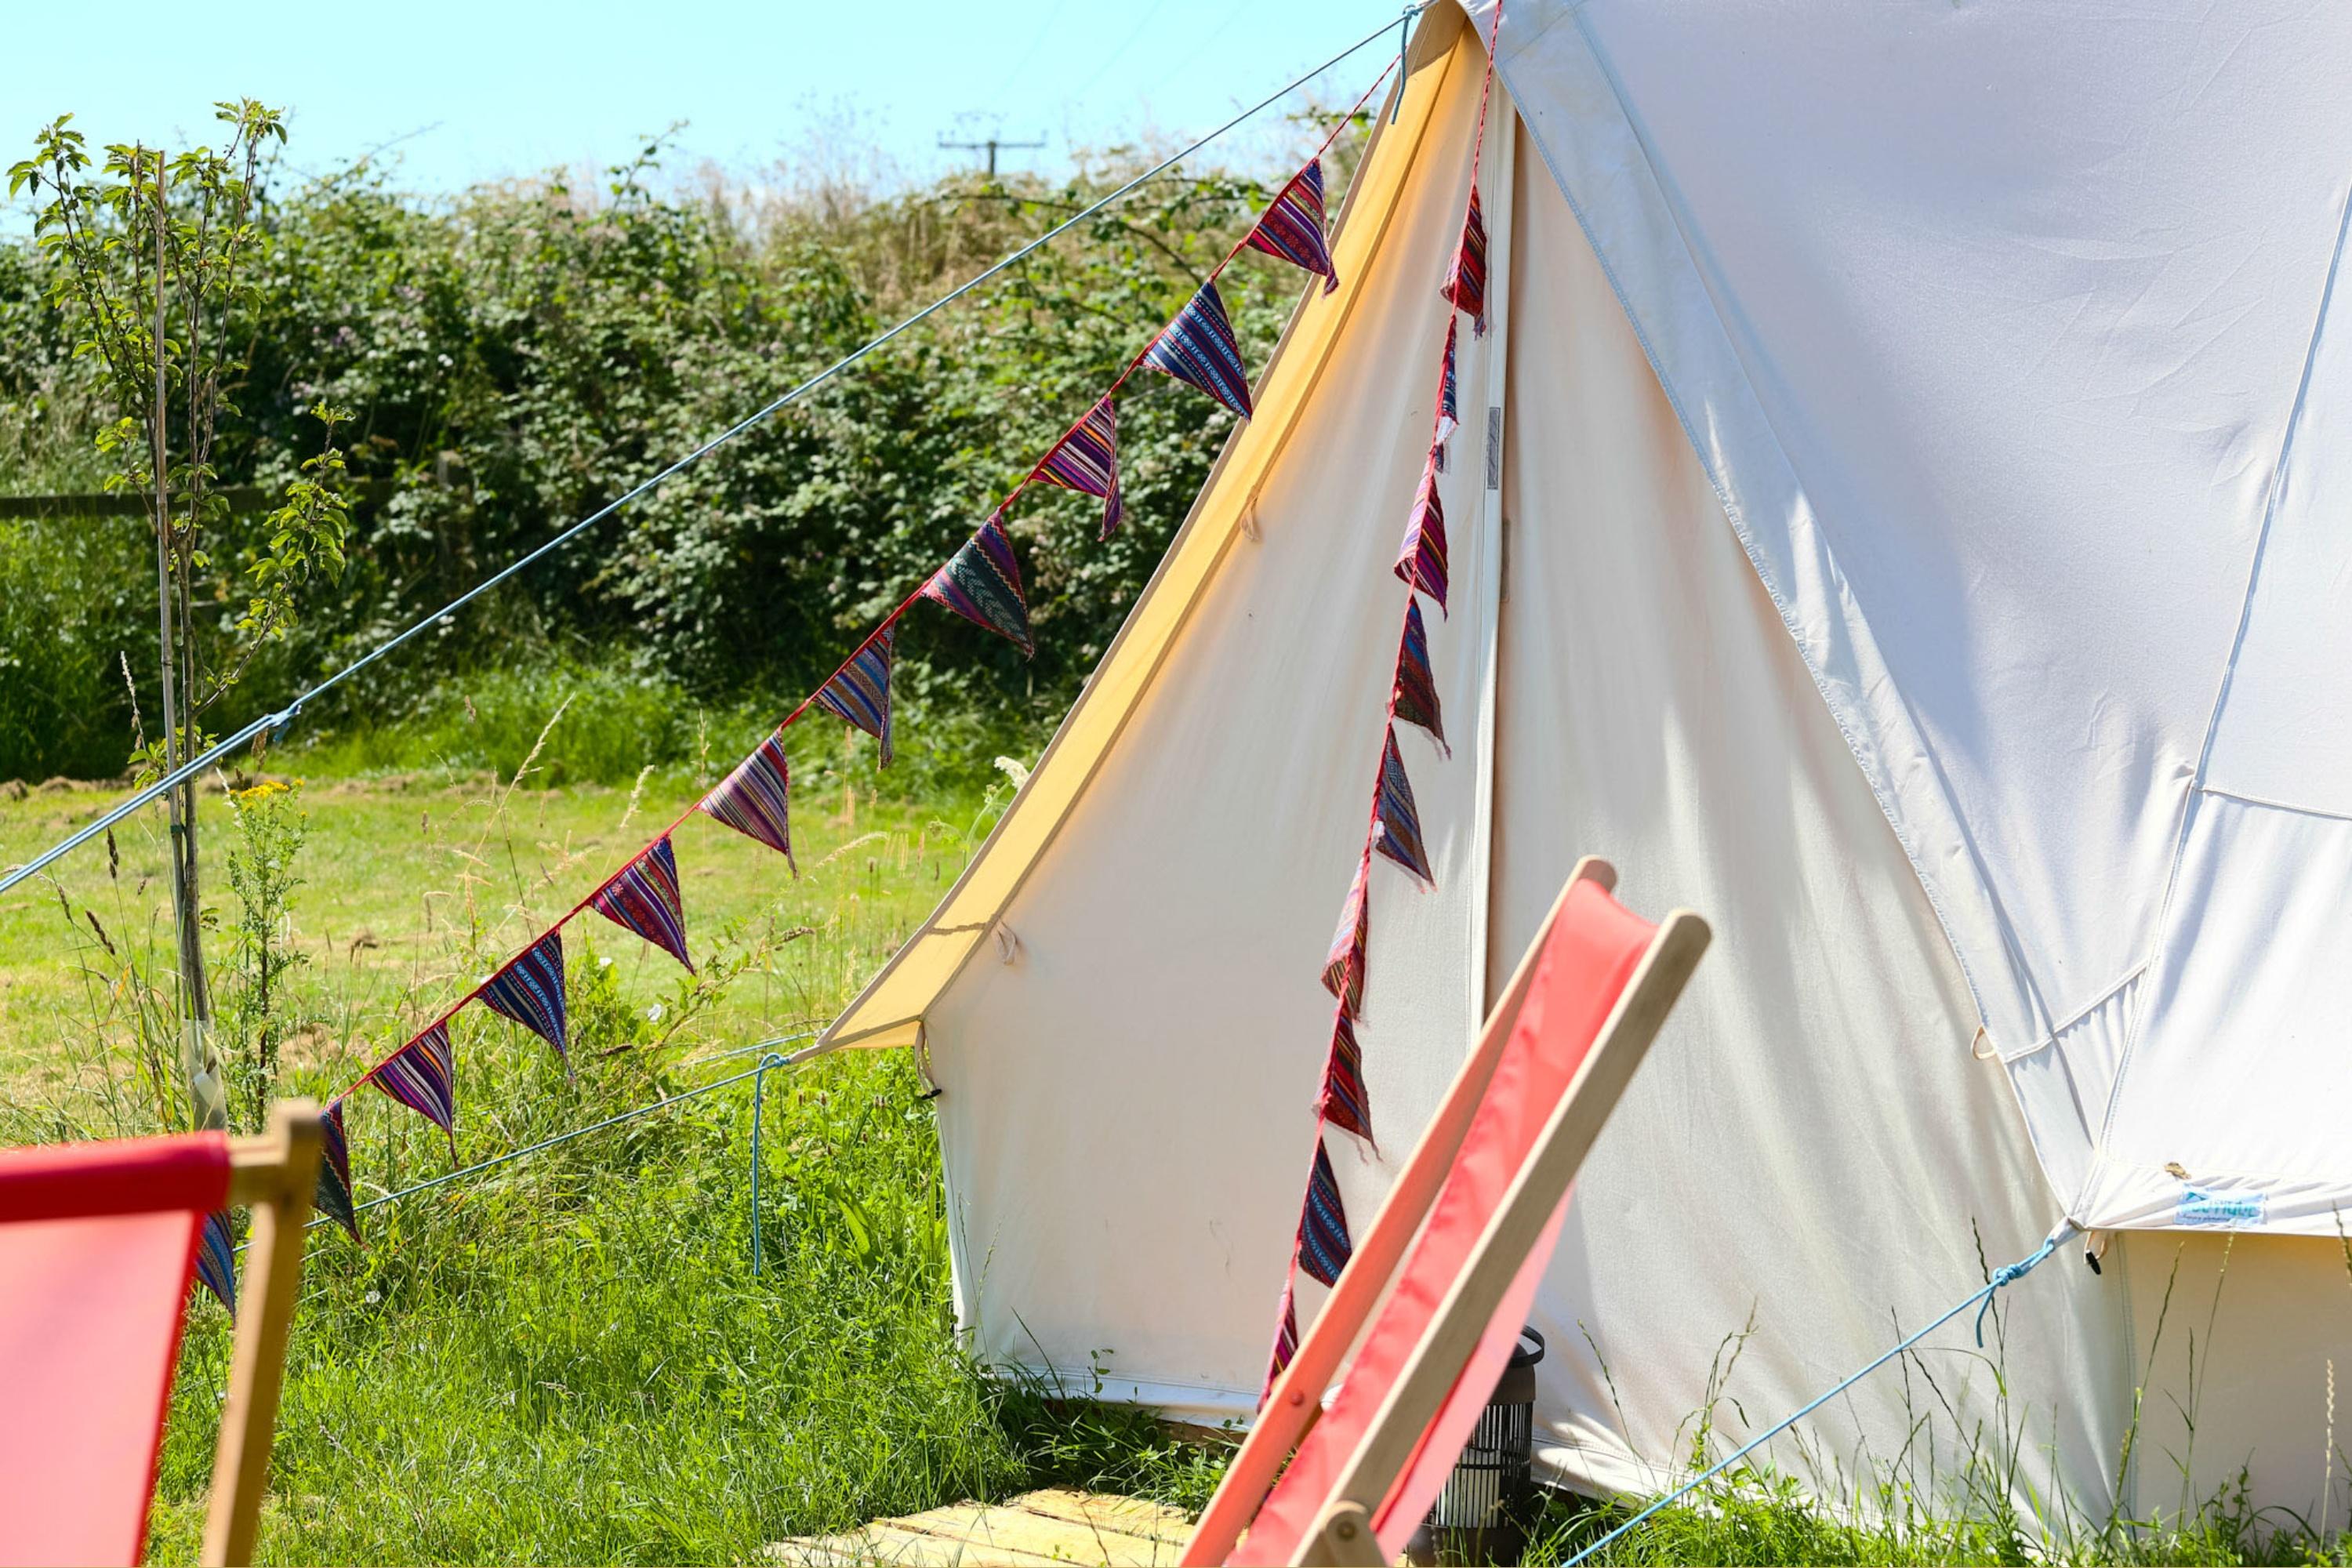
(2004, 334)
(889, 1011)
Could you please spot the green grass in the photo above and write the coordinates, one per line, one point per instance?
(569, 1357)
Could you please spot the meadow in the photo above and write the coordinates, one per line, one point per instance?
(570, 1356)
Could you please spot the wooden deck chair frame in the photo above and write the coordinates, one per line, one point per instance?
(273, 1173)
(1343, 1528)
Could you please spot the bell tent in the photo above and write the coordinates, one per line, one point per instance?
(1901, 507)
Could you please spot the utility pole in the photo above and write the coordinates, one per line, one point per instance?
(988, 146)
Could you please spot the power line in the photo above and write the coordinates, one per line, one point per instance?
(274, 723)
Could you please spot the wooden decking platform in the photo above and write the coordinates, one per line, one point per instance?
(1045, 1527)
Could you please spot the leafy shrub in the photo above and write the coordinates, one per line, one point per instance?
(518, 356)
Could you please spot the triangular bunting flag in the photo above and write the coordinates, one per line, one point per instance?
(1343, 970)
(1399, 824)
(1323, 1243)
(216, 1260)
(334, 1197)
(755, 800)
(423, 1076)
(1416, 685)
(644, 899)
(1292, 228)
(1449, 399)
(982, 583)
(1198, 347)
(859, 690)
(1087, 461)
(530, 990)
(1344, 1102)
(1421, 562)
(1466, 280)
(1286, 1341)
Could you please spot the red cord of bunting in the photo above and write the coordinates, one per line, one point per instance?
(1322, 1244)
(981, 582)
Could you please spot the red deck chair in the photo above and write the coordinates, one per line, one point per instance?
(97, 1245)
(1490, 1177)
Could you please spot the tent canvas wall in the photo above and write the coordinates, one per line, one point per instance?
(1897, 514)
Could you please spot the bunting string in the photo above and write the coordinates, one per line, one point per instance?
(981, 582)
(1394, 830)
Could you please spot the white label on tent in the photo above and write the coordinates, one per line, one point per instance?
(2203, 1208)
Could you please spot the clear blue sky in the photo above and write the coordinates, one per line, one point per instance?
(478, 92)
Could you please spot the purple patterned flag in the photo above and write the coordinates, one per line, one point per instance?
(1343, 1102)
(1323, 1245)
(530, 990)
(1292, 228)
(755, 800)
(1466, 280)
(644, 899)
(1449, 399)
(1416, 684)
(859, 690)
(1198, 347)
(1087, 461)
(1421, 564)
(333, 1197)
(216, 1260)
(1343, 969)
(1286, 1341)
(423, 1076)
(1400, 823)
(982, 583)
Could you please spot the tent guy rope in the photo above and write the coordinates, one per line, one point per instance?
(1981, 1298)
(768, 1062)
(272, 724)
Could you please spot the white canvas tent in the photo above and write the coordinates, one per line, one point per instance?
(1902, 512)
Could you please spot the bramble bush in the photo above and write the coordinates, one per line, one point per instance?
(514, 357)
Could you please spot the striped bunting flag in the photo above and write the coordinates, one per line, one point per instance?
(1323, 1245)
(216, 1260)
(1399, 829)
(1416, 684)
(1292, 228)
(643, 898)
(982, 583)
(530, 990)
(423, 1076)
(1087, 461)
(859, 692)
(1466, 280)
(1198, 349)
(1343, 969)
(1449, 399)
(1286, 1341)
(334, 1197)
(1421, 564)
(1343, 1102)
(755, 800)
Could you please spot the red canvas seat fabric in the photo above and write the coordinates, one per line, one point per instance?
(1590, 957)
(97, 1244)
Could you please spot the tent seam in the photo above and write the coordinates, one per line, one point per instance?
(2188, 813)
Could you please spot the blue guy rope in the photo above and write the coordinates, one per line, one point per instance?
(1404, 46)
(758, 1100)
(277, 723)
(2005, 1274)
(770, 1060)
